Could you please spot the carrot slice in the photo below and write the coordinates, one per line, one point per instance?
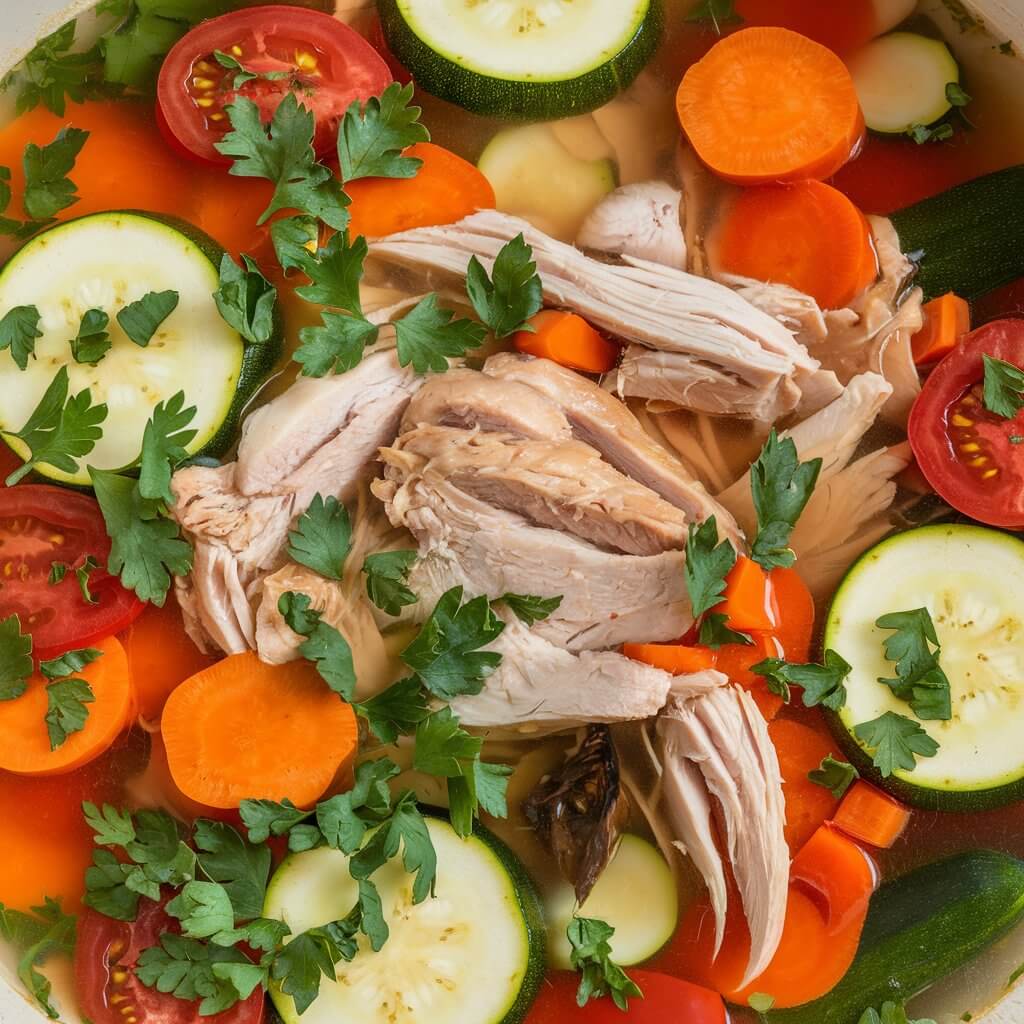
(871, 816)
(946, 320)
(747, 600)
(808, 235)
(675, 658)
(736, 660)
(768, 105)
(24, 742)
(567, 339)
(243, 729)
(793, 610)
(445, 189)
(160, 656)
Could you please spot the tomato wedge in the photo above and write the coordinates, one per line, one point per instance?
(323, 61)
(973, 458)
(40, 525)
(107, 989)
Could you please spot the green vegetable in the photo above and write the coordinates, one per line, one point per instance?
(36, 936)
(324, 645)
(530, 609)
(322, 537)
(48, 189)
(386, 576)
(707, 565)
(15, 658)
(714, 632)
(591, 956)
(141, 319)
(247, 300)
(920, 680)
(891, 1013)
(895, 740)
(821, 684)
(371, 139)
(294, 241)
(335, 273)
(241, 867)
(19, 329)
(427, 336)
(335, 346)
(66, 709)
(396, 711)
(507, 301)
(69, 663)
(835, 776)
(243, 74)
(1004, 387)
(164, 446)
(204, 910)
(92, 342)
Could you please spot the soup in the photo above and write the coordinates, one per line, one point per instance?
(511, 513)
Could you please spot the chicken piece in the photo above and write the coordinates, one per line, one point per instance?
(600, 420)
(798, 312)
(723, 735)
(638, 220)
(719, 353)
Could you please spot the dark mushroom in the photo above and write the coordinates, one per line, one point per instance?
(579, 812)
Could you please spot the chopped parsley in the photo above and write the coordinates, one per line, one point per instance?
(530, 609)
(396, 711)
(372, 138)
(890, 1013)
(67, 711)
(821, 684)
(164, 446)
(707, 565)
(429, 335)
(19, 329)
(920, 680)
(48, 189)
(506, 300)
(591, 955)
(895, 742)
(714, 632)
(92, 342)
(323, 645)
(335, 345)
(141, 319)
(246, 300)
(1003, 388)
(15, 658)
(69, 663)
(335, 273)
(322, 537)
(387, 575)
(835, 776)
(922, 133)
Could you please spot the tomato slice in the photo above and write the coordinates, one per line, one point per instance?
(40, 525)
(323, 61)
(107, 989)
(973, 458)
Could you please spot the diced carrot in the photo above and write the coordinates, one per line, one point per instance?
(160, 656)
(735, 660)
(871, 816)
(675, 658)
(807, 235)
(800, 750)
(243, 728)
(24, 741)
(770, 105)
(793, 608)
(567, 339)
(946, 320)
(839, 872)
(445, 189)
(747, 600)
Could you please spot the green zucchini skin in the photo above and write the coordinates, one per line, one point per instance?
(968, 240)
(519, 99)
(920, 928)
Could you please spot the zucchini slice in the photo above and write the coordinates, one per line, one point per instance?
(636, 895)
(971, 580)
(472, 954)
(106, 261)
(901, 81)
(534, 59)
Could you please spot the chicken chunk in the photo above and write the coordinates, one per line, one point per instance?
(638, 220)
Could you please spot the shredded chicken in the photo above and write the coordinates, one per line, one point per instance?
(637, 220)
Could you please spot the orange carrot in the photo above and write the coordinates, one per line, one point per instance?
(24, 741)
(675, 658)
(445, 189)
(769, 105)
(243, 728)
(807, 235)
(735, 660)
(841, 874)
(946, 320)
(793, 610)
(747, 600)
(871, 816)
(800, 750)
(567, 339)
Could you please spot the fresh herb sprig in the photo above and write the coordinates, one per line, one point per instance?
(919, 679)
(591, 955)
(36, 936)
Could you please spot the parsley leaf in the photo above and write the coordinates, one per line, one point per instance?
(266, 818)
(15, 658)
(428, 335)
(956, 95)
(66, 709)
(60, 429)
(82, 574)
(336, 345)
(246, 300)
(715, 633)
(133, 51)
(313, 954)
(835, 776)
(922, 133)
(515, 293)
(1004, 387)
(920, 679)
(204, 910)
(241, 867)
(110, 826)
(371, 139)
(343, 820)
(895, 740)
(295, 241)
(707, 565)
(446, 653)
(530, 609)
(591, 955)
(386, 575)
(105, 888)
(322, 537)
(243, 74)
(19, 329)
(35, 936)
(141, 319)
(92, 342)
(164, 446)
(717, 13)
(781, 486)
(324, 645)
(335, 274)
(48, 189)
(890, 1013)
(69, 663)
(283, 153)
(396, 711)
(822, 684)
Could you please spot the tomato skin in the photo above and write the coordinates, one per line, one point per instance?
(949, 414)
(106, 953)
(666, 1000)
(349, 69)
(39, 525)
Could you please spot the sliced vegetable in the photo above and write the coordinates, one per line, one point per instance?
(869, 815)
(920, 928)
(637, 877)
(475, 951)
(769, 105)
(793, 608)
(678, 659)
(807, 235)
(737, 661)
(535, 177)
(445, 189)
(516, 63)
(194, 349)
(265, 54)
(901, 81)
(974, 579)
(567, 339)
(27, 745)
(748, 592)
(946, 320)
